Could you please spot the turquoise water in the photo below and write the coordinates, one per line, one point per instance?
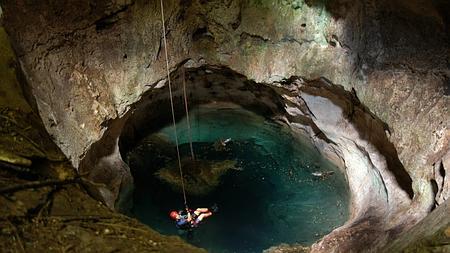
(274, 199)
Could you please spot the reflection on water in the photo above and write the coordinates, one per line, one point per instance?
(271, 197)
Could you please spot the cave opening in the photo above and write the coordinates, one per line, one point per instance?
(271, 184)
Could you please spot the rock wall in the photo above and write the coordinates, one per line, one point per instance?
(430, 235)
(336, 121)
(88, 64)
(381, 190)
(88, 68)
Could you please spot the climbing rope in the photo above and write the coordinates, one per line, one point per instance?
(187, 116)
(171, 104)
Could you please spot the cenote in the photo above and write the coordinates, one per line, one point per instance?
(336, 111)
(268, 196)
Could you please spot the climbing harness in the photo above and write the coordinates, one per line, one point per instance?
(173, 111)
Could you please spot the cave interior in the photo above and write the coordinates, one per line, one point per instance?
(302, 125)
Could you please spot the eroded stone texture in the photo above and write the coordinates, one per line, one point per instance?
(89, 63)
(432, 234)
(88, 66)
(109, 53)
(442, 172)
(42, 207)
(380, 187)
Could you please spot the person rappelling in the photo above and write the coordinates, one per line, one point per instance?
(189, 219)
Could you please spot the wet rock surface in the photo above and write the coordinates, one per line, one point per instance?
(201, 177)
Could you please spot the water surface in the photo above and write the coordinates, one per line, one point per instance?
(273, 199)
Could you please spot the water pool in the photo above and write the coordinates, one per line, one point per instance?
(272, 197)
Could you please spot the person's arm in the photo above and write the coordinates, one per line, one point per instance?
(189, 217)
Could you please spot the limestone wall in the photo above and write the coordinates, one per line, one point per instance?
(88, 64)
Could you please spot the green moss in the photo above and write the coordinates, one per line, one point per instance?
(10, 92)
(294, 4)
(260, 2)
(10, 157)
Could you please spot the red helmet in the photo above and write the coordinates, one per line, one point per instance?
(173, 215)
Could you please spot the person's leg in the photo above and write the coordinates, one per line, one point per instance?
(203, 215)
(198, 211)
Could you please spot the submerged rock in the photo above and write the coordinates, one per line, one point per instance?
(322, 174)
(200, 176)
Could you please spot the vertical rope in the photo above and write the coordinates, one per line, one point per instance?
(171, 103)
(187, 116)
